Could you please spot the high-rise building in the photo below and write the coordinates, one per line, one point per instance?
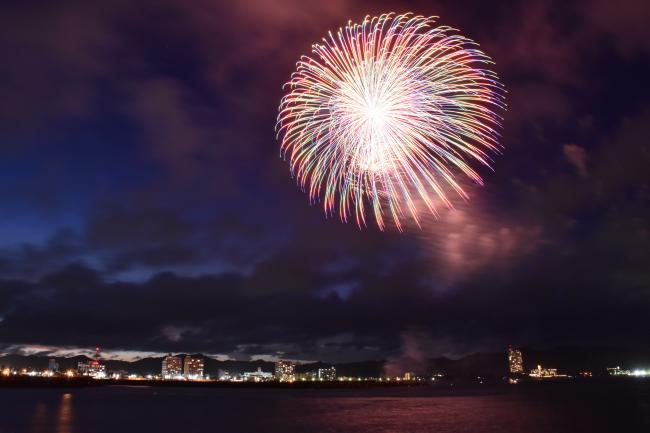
(172, 367)
(52, 365)
(515, 361)
(285, 371)
(327, 373)
(193, 368)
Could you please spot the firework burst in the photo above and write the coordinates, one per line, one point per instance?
(385, 116)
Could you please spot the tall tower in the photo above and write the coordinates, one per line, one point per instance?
(515, 361)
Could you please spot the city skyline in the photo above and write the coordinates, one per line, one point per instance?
(192, 367)
(515, 364)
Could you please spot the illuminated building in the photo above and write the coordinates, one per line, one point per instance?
(94, 368)
(327, 373)
(257, 376)
(409, 375)
(616, 371)
(544, 373)
(193, 368)
(172, 367)
(285, 371)
(515, 361)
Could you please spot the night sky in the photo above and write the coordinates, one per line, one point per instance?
(145, 208)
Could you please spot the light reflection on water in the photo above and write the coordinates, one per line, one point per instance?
(64, 414)
(62, 421)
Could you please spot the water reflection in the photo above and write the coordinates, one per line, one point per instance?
(64, 415)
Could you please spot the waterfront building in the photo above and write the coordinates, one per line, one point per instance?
(285, 371)
(544, 373)
(94, 368)
(193, 368)
(515, 361)
(617, 371)
(327, 373)
(257, 376)
(171, 367)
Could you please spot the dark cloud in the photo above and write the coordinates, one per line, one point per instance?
(53, 58)
(277, 311)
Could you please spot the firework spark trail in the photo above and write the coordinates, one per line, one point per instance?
(387, 114)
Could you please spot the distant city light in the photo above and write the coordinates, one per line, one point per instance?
(515, 360)
(192, 368)
(257, 376)
(617, 371)
(285, 371)
(545, 373)
(327, 373)
(172, 367)
(94, 368)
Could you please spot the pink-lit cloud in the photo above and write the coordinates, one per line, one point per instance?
(473, 236)
(577, 156)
